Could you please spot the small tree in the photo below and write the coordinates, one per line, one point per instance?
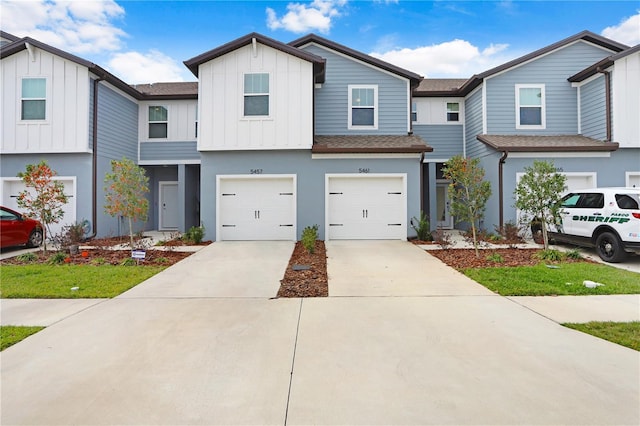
(127, 186)
(468, 192)
(538, 195)
(46, 199)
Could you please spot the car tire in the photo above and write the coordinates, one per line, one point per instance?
(609, 248)
(35, 238)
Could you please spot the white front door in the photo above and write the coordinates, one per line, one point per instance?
(364, 206)
(11, 187)
(168, 206)
(256, 207)
(444, 219)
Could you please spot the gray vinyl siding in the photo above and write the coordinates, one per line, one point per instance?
(473, 124)
(593, 109)
(446, 140)
(310, 180)
(331, 101)
(551, 70)
(169, 151)
(117, 125)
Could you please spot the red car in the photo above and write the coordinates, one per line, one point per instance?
(16, 229)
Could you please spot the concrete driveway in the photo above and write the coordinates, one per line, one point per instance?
(182, 351)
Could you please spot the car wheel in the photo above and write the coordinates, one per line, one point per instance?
(35, 239)
(609, 248)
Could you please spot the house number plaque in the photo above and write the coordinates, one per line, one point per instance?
(363, 170)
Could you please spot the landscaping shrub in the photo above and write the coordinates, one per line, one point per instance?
(309, 237)
(550, 255)
(195, 234)
(27, 257)
(57, 258)
(421, 226)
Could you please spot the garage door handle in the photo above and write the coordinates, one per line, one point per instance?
(286, 193)
(394, 193)
(227, 195)
(228, 226)
(394, 224)
(336, 224)
(287, 225)
(335, 193)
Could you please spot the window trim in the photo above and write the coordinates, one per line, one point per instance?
(350, 107)
(543, 112)
(149, 122)
(45, 99)
(414, 112)
(245, 94)
(452, 112)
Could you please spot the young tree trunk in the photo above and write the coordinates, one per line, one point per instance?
(44, 232)
(131, 233)
(545, 236)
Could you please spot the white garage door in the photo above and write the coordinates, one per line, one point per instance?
(12, 187)
(366, 207)
(576, 181)
(256, 207)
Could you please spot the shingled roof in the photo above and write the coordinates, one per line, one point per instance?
(560, 143)
(177, 90)
(364, 144)
(439, 87)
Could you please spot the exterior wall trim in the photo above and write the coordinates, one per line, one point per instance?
(351, 156)
(549, 154)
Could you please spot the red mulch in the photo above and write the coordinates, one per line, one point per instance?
(310, 283)
(466, 258)
(102, 256)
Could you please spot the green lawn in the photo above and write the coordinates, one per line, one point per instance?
(12, 334)
(566, 279)
(623, 333)
(56, 281)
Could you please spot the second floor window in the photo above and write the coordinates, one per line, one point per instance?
(34, 99)
(158, 119)
(530, 108)
(256, 94)
(414, 112)
(453, 111)
(363, 107)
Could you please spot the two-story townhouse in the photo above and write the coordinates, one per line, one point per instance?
(70, 112)
(529, 109)
(301, 134)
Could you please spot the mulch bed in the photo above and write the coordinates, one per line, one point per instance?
(312, 282)
(103, 256)
(466, 258)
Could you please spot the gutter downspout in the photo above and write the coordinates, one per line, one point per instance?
(607, 98)
(422, 182)
(503, 159)
(94, 161)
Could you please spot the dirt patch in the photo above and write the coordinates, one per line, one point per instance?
(466, 258)
(311, 278)
(104, 257)
(140, 242)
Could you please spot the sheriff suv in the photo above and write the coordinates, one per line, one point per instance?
(605, 218)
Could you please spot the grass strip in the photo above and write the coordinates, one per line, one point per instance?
(560, 279)
(71, 281)
(12, 334)
(623, 333)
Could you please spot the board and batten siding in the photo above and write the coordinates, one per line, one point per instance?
(626, 107)
(446, 139)
(181, 116)
(592, 109)
(552, 70)
(169, 152)
(66, 124)
(222, 123)
(332, 109)
(434, 111)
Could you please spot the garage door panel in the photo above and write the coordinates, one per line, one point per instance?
(366, 207)
(257, 208)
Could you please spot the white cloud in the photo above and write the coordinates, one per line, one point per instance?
(627, 31)
(456, 58)
(302, 18)
(77, 27)
(153, 66)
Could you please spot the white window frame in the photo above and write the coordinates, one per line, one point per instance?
(446, 106)
(350, 108)
(414, 112)
(45, 99)
(149, 122)
(245, 94)
(543, 112)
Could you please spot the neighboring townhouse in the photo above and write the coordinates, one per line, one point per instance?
(70, 112)
(274, 137)
(550, 105)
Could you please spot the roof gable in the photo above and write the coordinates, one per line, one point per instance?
(318, 62)
(602, 65)
(313, 38)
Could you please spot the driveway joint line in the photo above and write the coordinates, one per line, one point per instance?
(293, 362)
(531, 309)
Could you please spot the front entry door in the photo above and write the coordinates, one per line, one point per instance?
(442, 206)
(168, 205)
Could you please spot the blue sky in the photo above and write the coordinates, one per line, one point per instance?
(146, 41)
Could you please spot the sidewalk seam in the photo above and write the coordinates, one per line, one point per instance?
(293, 362)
